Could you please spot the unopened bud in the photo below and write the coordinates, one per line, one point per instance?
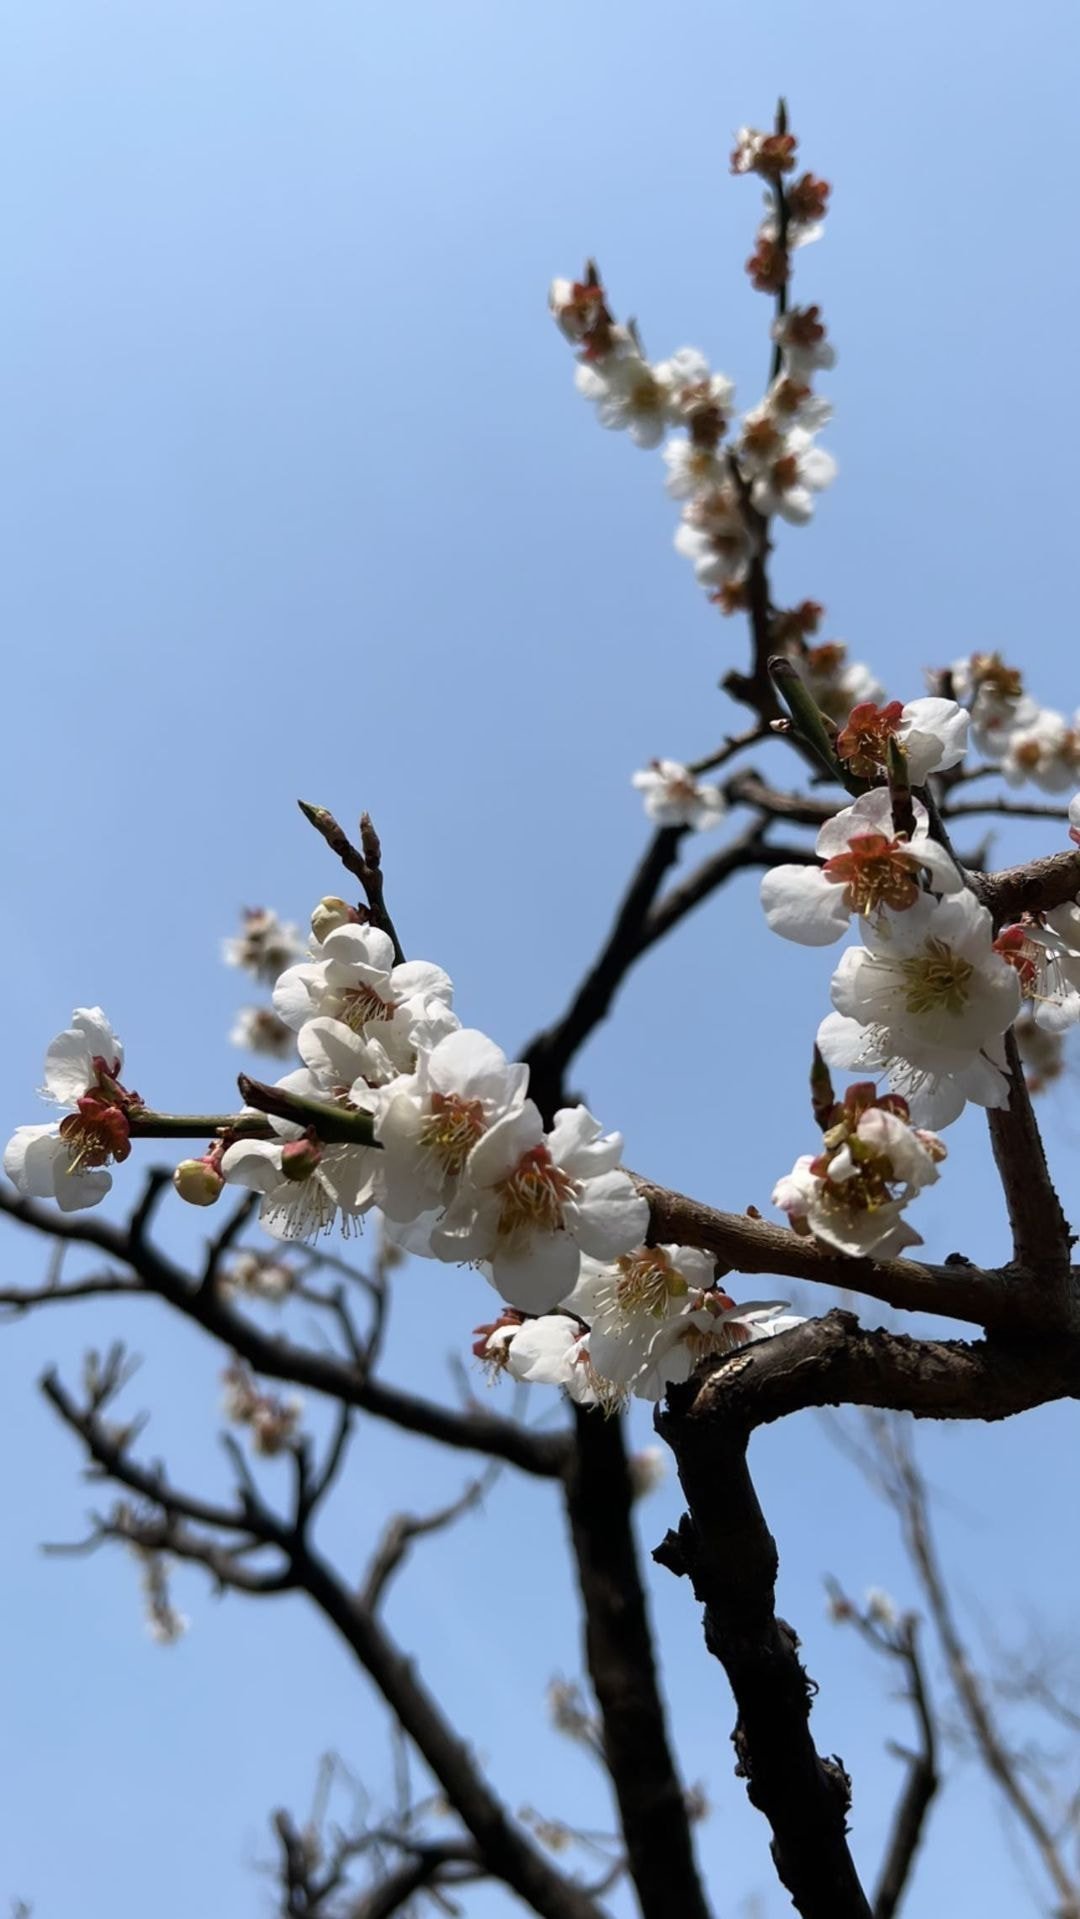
(196, 1181)
(299, 1158)
(329, 915)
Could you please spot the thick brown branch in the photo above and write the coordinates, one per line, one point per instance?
(724, 1547)
(744, 1245)
(619, 1652)
(1036, 887)
(833, 1362)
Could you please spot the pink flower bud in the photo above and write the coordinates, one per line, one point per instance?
(299, 1158)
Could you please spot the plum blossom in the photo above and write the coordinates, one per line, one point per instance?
(306, 1188)
(626, 1302)
(65, 1161)
(675, 797)
(628, 395)
(1074, 819)
(769, 154)
(932, 732)
(929, 983)
(851, 1195)
(800, 334)
(428, 1122)
(357, 983)
(531, 1203)
(713, 536)
(259, 1030)
(264, 946)
(1045, 954)
(867, 867)
(935, 1095)
(554, 1351)
(788, 483)
(1046, 750)
(994, 694)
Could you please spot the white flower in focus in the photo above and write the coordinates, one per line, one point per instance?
(928, 983)
(259, 1030)
(1046, 959)
(79, 1057)
(935, 1095)
(357, 983)
(429, 1122)
(531, 1203)
(265, 945)
(932, 732)
(626, 1301)
(38, 1163)
(846, 1196)
(673, 797)
(868, 866)
(303, 1194)
(554, 1351)
(65, 1161)
(788, 483)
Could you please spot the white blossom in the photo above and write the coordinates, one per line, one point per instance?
(788, 483)
(1045, 750)
(935, 1095)
(867, 867)
(259, 1030)
(836, 683)
(674, 797)
(38, 1163)
(932, 732)
(338, 1185)
(800, 334)
(429, 1122)
(531, 1203)
(357, 983)
(847, 1195)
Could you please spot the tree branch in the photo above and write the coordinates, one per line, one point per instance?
(619, 1652)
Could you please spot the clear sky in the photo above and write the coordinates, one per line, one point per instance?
(299, 500)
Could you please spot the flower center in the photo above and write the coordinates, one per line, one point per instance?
(532, 1197)
(864, 741)
(452, 1129)
(647, 1281)
(95, 1134)
(359, 1004)
(874, 872)
(936, 980)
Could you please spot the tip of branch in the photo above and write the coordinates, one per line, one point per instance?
(315, 815)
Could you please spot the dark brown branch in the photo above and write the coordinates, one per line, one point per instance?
(834, 1361)
(473, 1429)
(1035, 887)
(1040, 1231)
(744, 1245)
(734, 743)
(619, 1652)
(430, 1866)
(1010, 809)
(724, 1547)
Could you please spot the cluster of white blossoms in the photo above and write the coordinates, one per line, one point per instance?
(631, 1327)
(927, 996)
(1025, 740)
(771, 464)
(452, 1152)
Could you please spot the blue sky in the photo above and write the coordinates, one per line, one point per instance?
(300, 501)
